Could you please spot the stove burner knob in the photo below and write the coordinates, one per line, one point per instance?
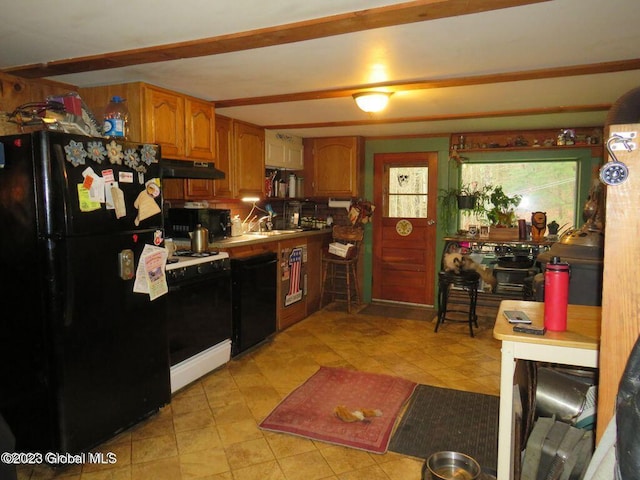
(178, 273)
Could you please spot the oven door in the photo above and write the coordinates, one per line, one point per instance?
(199, 314)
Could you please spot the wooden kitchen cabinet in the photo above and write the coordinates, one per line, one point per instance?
(162, 118)
(283, 151)
(248, 160)
(334, 166)
(315, 246)
(198, 189)
(183, 126)
(200, 134)
(288, 315)
(240, 155)
(224, 146)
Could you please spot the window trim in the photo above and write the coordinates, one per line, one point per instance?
(587, 168)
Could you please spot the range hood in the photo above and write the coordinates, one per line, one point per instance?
(186, 169)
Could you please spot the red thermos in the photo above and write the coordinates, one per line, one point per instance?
(556, 295)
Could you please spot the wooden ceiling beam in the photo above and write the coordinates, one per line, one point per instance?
(575, 70)
(446, 117)
(387, 16)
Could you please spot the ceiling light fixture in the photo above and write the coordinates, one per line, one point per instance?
(372, 102)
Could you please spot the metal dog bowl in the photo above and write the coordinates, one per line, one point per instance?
(450, 466)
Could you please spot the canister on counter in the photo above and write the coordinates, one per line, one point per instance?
(292, 186)
(300, 187)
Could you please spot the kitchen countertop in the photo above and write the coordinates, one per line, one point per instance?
(257, 238)
(265, 237)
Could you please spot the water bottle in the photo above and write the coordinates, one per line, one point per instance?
(556, 295)
(116, 119)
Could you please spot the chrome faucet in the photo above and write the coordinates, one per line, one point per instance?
(265, 222)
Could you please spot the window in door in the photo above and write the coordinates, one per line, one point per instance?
(408, 191)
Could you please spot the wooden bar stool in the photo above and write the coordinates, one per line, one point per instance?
(340, 274)
(468, 281)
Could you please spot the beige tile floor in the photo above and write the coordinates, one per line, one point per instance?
(210, 430)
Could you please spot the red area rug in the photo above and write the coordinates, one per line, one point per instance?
(308, 411)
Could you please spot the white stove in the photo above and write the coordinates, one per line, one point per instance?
(199, 314)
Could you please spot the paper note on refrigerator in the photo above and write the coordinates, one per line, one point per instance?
(150, 274)
(85, 202)
(95, 184)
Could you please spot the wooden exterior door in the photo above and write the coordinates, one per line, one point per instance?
(404, 227)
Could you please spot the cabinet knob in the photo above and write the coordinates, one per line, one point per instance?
(431, 222)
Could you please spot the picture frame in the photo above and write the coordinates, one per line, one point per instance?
(484, 231)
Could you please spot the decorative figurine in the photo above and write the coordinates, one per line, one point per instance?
(538, 226)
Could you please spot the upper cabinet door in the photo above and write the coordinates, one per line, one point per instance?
(224, 147)
(295, 155)
(336, 166)
(164, 121)
(200, 129)
(249, 159)
(275, 152)
(283, 151)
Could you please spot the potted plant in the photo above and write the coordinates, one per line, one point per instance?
(467, 199)
(502, 214)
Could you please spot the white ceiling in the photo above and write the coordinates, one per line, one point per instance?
(540, 36)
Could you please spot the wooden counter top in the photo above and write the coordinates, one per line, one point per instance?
(583, 325)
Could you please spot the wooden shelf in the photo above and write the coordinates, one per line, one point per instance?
(518, 140)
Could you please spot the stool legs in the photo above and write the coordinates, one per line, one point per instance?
(444, 285)
(350, 278)
(473, 300)
(356, 285)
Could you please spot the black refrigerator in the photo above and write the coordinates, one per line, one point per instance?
(82, 357)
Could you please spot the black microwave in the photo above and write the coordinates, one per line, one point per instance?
(179, 222)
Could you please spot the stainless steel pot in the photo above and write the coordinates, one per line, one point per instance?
(199, 239)
(560, 395)
(449, 465)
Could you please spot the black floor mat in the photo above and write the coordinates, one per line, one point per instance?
(439, 419)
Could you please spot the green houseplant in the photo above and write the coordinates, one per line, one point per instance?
(465, 199)
(502, 213)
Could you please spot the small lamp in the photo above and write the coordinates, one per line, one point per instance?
(372, 102)
(254, 207)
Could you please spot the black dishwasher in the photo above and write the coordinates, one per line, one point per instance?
(253, 299)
